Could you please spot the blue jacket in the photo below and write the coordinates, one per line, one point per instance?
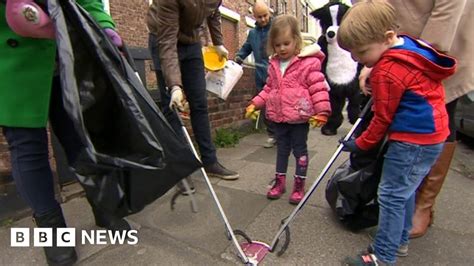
(257, 42)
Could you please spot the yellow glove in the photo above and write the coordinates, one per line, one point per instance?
(251, 113)
(318, 120)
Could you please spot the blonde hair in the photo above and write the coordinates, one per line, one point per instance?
(279, 26)
(365, 23)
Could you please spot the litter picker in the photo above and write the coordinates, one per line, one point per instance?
(261, 249)
(231, 235)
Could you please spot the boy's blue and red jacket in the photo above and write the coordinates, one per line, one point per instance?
(408, 95)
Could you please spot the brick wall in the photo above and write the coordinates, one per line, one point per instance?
(4, 157)
(130, 16)
(130, 20)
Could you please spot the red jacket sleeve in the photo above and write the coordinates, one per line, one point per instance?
(387, 91)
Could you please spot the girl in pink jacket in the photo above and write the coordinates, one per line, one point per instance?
(296, 93)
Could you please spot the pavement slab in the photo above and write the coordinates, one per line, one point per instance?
(204, 229)
(181, 237)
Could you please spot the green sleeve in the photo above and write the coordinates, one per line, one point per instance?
(96, 10)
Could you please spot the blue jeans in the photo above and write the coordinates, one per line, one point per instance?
(405, 165)
(194, 86)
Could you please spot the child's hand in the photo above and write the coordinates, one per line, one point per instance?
(318, 120)
(350, 145)
(251, 113)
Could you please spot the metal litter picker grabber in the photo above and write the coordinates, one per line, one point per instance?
(261, 249)
(246, 257)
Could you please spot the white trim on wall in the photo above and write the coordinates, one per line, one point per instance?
(250, 22)
(229, 14)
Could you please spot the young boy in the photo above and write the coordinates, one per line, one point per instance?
(408, 106)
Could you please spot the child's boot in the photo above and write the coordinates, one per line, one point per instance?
(298, 190)
(278, 187)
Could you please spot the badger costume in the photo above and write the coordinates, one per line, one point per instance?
(340, 70)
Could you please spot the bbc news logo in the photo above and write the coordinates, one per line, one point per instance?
(66, 237)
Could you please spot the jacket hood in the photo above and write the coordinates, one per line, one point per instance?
(311, 50)
(422, 56)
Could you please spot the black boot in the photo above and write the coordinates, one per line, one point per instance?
(328, 131)
(108, 221)
(56, 255)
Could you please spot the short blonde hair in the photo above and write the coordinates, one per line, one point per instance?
(280, 25)
(365, 23)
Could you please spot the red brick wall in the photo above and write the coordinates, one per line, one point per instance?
(4, 157)
(130, 20)
(130, 17)
(231, 38)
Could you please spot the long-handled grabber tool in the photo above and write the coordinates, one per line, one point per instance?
(231, 235)
(261, 249)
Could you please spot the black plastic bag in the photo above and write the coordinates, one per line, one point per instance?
(352, 189)
(352, 195)
(130, 155)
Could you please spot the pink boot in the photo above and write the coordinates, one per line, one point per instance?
(278, 187)
(298, 190)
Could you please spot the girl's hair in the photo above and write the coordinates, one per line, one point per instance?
(280, 25)
(365, 23)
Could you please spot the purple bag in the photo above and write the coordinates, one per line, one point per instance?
(28, 19)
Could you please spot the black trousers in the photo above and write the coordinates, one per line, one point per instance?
(194, 87)
(292, 137)
(30, 159)
(338, 96)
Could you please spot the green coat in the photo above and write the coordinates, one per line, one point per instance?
(26, 71)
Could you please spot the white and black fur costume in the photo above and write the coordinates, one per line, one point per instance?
(340, 70)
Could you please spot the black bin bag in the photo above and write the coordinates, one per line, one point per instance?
(352, 189)
(130, 155)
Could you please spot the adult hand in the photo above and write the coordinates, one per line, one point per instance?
(318, 120)
(350, 145)
(363, 81)
(177, 98)
(222, 52)
(114, 37)
(238, 60)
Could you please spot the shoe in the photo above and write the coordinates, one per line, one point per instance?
(110, 222)
(328, 132)
(217, 170)
(278, 187)
(56, 255)
(367, 259)
(180, 187)
(270, 143)
(298, 190)
(402, 251)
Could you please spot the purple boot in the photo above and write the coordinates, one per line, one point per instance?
(298, 190)
(278, 187)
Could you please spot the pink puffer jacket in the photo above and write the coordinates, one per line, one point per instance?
(300, 93)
